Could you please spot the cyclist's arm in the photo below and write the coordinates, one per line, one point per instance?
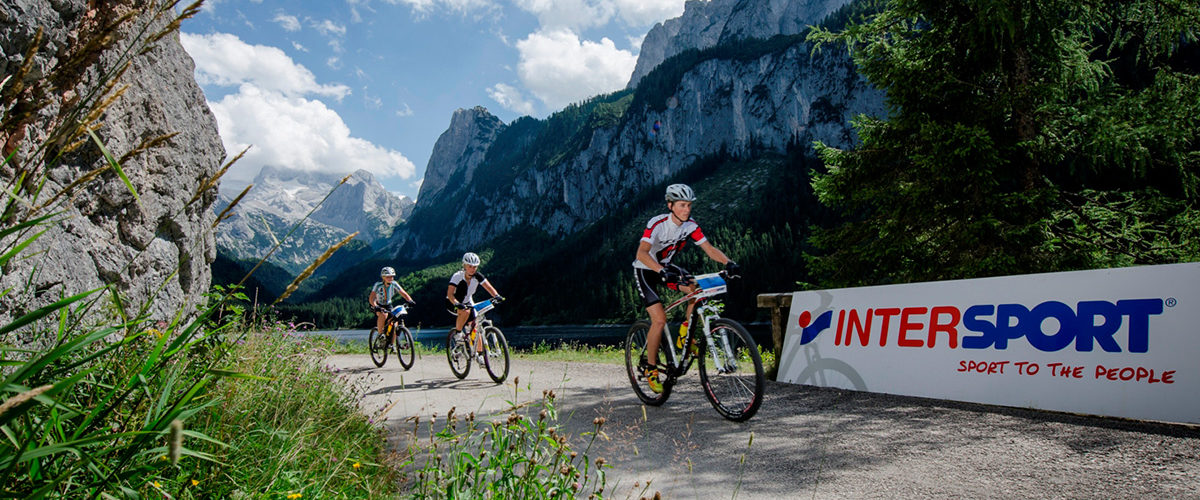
(487, 285)
(643, 256)
(371, 299)
(404, 293)
(450, 294)
(714, 253)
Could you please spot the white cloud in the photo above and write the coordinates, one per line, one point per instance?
(329, 28)
(296, 133)
(288, 23)
(334, 62)
(404, 110)
(575, 14)
(425, 7)
(510, 98)
(225, 60)
(297, 46)
(559, 68)
(647, 12)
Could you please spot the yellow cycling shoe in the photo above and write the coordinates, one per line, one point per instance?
(652, 381)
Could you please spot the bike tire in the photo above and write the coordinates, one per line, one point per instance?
(735, 386)
(377, 346)
(458, 355)
(496, 358)
(635, 347)
(406, 349)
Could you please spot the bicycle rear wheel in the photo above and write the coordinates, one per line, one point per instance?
(496, 359)
(735, 384)
(405, 350)
(459, 356)
(378, 347)
(635, 349)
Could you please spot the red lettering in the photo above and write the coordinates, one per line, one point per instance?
(1136, 374)
(854, 324)
(908, 326)
(1168, 377)
(949, 327)
(886, 315)
(838, 339)
(962, 366)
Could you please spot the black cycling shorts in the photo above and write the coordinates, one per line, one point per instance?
(645, 281)
(454, 310)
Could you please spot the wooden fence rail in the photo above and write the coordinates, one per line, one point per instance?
(779, 304)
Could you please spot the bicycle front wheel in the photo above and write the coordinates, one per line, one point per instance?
(635, 350)
(731, 371)
(496, 359)
(459, 356)
(378, 347)
(405, 348)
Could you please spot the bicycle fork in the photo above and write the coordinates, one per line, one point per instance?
(716, 343)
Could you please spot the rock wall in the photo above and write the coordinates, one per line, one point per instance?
(156, 252)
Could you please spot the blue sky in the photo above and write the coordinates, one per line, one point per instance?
(342, 85)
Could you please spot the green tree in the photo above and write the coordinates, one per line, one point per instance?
(1022, 136)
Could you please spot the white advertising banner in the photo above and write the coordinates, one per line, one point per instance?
(1117, 342)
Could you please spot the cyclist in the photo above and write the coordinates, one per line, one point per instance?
(460, 296)
(383, 293)
(665, 235)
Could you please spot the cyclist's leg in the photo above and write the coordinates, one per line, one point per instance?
(380, 319)
(645, 281)
(658, 321)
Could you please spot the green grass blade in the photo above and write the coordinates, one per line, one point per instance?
(115, 165)
(44, 311)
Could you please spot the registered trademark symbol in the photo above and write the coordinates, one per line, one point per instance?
(1170, 302)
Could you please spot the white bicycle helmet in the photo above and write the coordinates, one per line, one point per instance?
(680, 192)
(387, 271)
(470, 259)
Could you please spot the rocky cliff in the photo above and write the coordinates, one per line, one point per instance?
(743, 105)
(460, 149)
(155, 251)
(705, 24)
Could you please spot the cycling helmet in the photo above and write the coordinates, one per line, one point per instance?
(680, 192)
(470, 259)
(387, 271)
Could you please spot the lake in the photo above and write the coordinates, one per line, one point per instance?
(523, 337)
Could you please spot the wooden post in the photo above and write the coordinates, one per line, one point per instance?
(778, 303)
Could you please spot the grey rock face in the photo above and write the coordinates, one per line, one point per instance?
(705, 24)
(156, 251)
(461, 148)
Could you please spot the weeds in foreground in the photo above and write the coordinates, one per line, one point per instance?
(520, 457)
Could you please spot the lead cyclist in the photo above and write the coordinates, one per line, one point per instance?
(665, 235)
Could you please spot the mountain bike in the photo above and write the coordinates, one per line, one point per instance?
(731, 369)
(460, 346)
(405, 346)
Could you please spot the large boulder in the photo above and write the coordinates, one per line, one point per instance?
(155, 252)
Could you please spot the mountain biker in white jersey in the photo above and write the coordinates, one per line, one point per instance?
(665, 235)
(459, 295)
(383, 293)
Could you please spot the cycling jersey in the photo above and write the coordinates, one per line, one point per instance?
(385, 294)
(666, 238)
(463, 289)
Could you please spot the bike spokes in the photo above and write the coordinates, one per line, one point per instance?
(378, 347)
(405, 347)
(640, 374)
(496, 354)
(458, 353)
(731, 371)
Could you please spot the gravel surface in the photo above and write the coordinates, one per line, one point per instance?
(810, 442)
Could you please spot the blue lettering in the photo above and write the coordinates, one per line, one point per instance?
(1078, 325)
(1139, 311)
(986, 330)
(1088, 330)
(1066, 326)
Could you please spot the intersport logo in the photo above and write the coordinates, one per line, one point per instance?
(1049, 326)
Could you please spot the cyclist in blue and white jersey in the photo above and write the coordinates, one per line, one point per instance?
(460, 295)
(383, 293)
(663, 237)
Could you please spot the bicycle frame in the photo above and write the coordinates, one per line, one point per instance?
(480, 320)
(707, 286)
(395, 317)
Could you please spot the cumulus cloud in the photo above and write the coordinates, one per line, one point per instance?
(288, 23)
(461, 6)
(329, 28)
(647, 12)
(296, 133)
(559, 68)
(404, 110)
(510, 98)
(581, 14)
(225, 60)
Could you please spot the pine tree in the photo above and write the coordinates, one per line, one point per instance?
(1022, 136)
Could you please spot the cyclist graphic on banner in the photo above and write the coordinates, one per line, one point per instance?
(662, 238)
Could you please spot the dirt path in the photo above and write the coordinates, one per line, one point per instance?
(811, 442)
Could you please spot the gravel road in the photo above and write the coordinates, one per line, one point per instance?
(811, 442)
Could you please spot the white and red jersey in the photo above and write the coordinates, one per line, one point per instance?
(666, 237)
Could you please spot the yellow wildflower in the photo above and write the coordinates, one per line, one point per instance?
(357, 465)
(195, 482)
